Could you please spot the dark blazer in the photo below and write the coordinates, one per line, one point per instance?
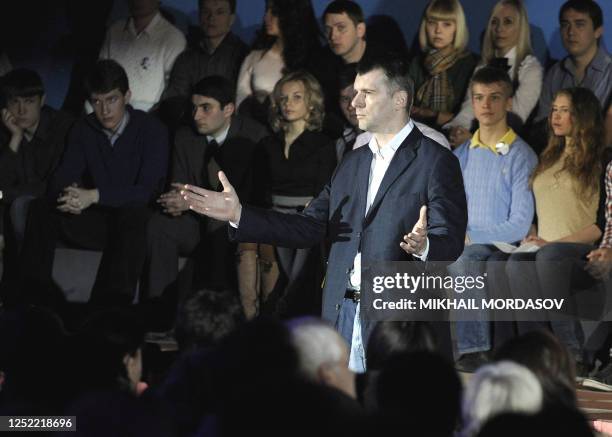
(421, 173)
(235, 157)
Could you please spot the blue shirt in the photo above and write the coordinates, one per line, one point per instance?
(597, 78)
(500, 202)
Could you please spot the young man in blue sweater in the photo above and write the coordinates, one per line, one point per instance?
(496, 165)
(114, 166)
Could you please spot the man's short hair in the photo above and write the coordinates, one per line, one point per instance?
(491, 75)
(347, 75)
(216, 87)
(232, 5)
(22, 82)
(105, 76)
(206, 317)
(589, 7)
(348, 7)
(395, 69)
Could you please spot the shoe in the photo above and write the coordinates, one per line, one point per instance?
(469, 363)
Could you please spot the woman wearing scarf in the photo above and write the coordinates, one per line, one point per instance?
(442, 72)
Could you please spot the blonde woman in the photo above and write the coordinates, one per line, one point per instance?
(297, 161)
(506, 41)
(442, 72)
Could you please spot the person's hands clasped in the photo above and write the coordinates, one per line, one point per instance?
(534, 239)
(600, 262)
(414, 242)
(173, 203)
(74, 199)
(224, 205)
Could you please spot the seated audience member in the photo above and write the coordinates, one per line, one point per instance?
(205, 318)
(218, 139)
(33, 346)
(107, 353)
(32, 139)
(550, 361)
(323, 354)
(217, 52)
(288, 41)
(351, 130)
(566, 190)
(345, 29)
(388, 340)
(442, 72)
(428, 413)
(113, 167)
(146, 46)
(496, 165)
(506, 45)
(503, 387)
(588, 63)
(298, 161)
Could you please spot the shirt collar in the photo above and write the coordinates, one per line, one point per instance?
(30, 133)
(391, 147)
(113, 135)
(129, 25)
(220, 137)
(508, 138)
(599, 62)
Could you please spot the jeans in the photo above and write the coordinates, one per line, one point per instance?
(349, 327)
(473, 336)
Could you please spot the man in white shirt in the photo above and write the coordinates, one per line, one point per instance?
(146, 46)
(399, 199)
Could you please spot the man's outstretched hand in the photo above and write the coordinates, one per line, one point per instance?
(414, 243)
(224, 205)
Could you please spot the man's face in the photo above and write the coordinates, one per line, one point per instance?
(348, 110)
(374, 102)
(110, 107)
(490, 102)
(208, 116)
(143, 8)
(578, 33)
(26, 110)
(342, 34)
(216, 18)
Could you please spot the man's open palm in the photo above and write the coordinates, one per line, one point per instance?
(224, 205)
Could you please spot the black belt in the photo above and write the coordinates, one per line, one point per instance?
(353, 295)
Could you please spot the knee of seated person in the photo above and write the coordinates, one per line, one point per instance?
(552, 252)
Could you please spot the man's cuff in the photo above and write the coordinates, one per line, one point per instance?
(234, 225)
(423, 256)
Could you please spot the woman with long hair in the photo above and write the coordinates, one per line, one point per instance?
(298, 160)
(506, 45)
(289, 38)
(566, 191)
(442, 72)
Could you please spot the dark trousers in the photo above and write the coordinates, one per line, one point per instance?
(119, 232)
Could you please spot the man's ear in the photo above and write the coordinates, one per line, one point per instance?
(326, 375)
(509, 104)
(232, 19)
(400, 98)
(361, 30)
(228, 110)
(42, 100)
(599, 32)
(127, 96)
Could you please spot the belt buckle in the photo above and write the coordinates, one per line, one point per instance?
(356, 296)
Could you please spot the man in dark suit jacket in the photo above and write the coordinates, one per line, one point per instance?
(217, 139)
(374, 199)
